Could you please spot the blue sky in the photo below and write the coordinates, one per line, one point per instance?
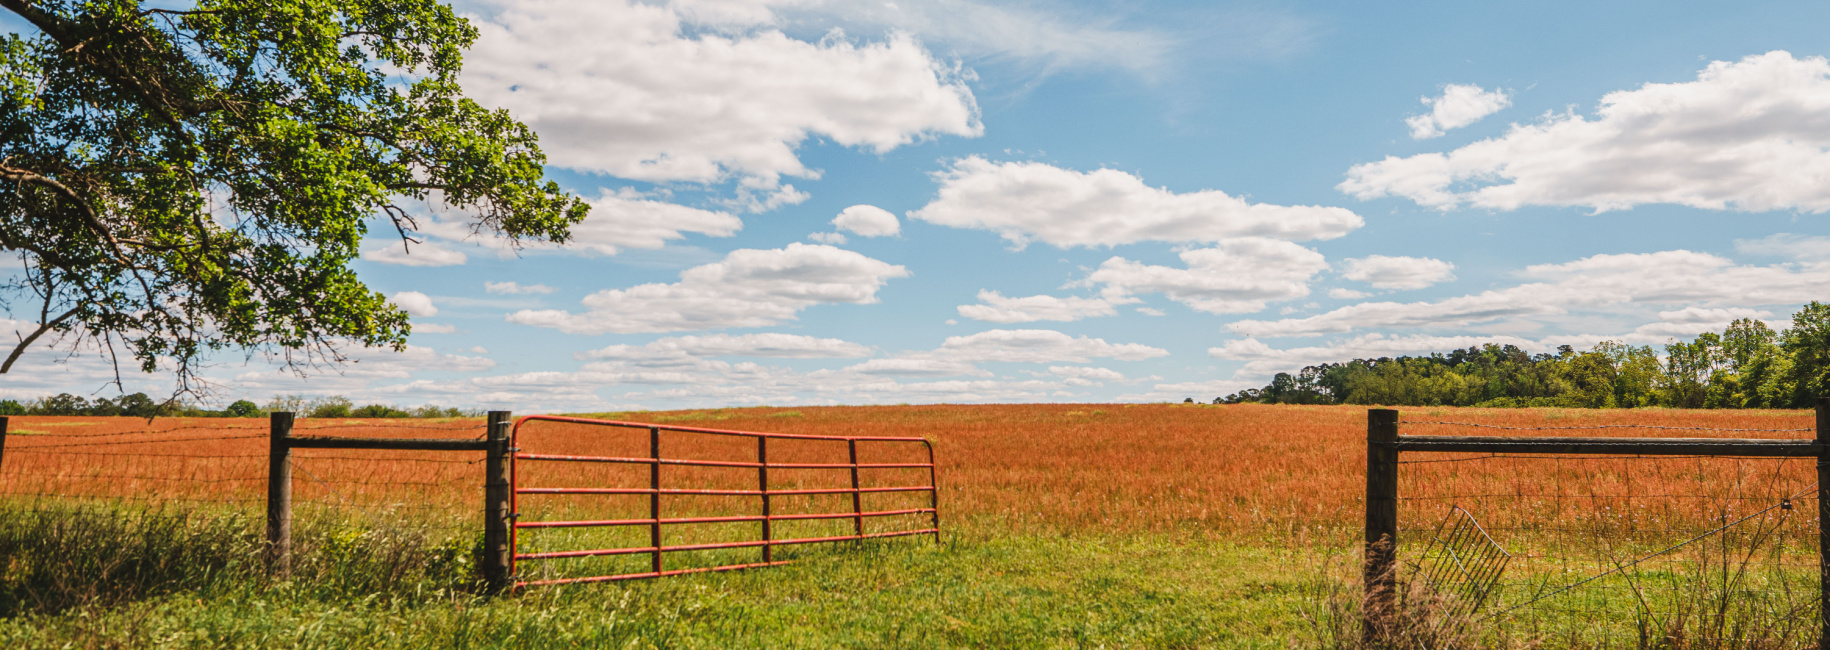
(813, 202)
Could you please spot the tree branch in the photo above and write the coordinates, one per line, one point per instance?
(27, 341)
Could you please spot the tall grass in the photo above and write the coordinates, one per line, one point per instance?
(62, 555)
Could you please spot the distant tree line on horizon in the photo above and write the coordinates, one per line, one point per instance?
(1746, 366)
(139, 405)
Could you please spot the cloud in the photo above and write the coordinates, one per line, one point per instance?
(766, 344)
(1238, 276)
(749, 288)
(422, 254)
(1084, 375)
(416, 304)
(996, 308)
(434, 328)
(626, 89)
(1040, 346)
(623, 219)
(1750, 135)
(960, 355)
(515, 289)
(1459, 106)
(1398, 272)
(828, 238)
(868, 221)
(1022, 201)
(1347, 294)
(917, 367)
(1798, 247)
(1049, 40)
(1600, 282)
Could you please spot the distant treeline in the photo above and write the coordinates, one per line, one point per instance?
(1747, 366)
(139, 405)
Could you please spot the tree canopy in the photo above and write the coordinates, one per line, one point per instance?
(1748, 365)
(181, 181)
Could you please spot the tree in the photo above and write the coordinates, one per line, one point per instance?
(335, 406)
(243, 409)
(182, 181)
(1807, 342)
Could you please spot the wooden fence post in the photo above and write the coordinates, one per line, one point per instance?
(3, 421)
(498, 501)
(279, 495)
(1381, 522)
(654, 498)
(857, 496)
(1823, 523)
(762, 485)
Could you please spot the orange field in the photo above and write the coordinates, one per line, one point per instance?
(1236, 469)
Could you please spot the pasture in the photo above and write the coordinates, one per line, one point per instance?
(1073, 525)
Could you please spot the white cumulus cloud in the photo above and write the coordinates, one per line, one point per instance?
(1040, 346)
(1799, 247)
(1022, 201)
(414, 303)
(422, 254)
(1387, 272)
(1600, 282)
(1238, 276)
(625, 220)
(1748, 135)
(868, 221)
(765, 344)
(514, 288)
(996, 308)
(626, 89)
(748, 288)
(1459, 106)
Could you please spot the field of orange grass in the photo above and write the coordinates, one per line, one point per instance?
(1235, 469)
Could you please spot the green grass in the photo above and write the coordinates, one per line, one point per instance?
(98, 575)
(980, 587)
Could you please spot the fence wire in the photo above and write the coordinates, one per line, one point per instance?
(1627, 551)
(219, 467)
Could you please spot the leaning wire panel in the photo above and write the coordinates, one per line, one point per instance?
(1623, 550)
(600, 500)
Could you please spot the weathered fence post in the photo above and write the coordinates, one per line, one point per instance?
(279, 495)
(1823, 523)
(762, 485)
(2, 436)
(1381, 521)
(654, 498)
(498, 518)
(857, 496)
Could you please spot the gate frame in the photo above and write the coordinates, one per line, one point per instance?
(1383, 445)
(654, 521)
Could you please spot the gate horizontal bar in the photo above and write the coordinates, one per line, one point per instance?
(395, 444)
(729, 493)
(715, 463)
(716, 432)
(718, 545)
(1795, 448)
(652, 574)
(718, 520)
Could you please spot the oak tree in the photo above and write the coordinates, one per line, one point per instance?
(178, 181)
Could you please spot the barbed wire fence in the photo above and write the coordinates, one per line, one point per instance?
(1607, 542)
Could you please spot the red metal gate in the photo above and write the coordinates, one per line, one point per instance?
(764, 493)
